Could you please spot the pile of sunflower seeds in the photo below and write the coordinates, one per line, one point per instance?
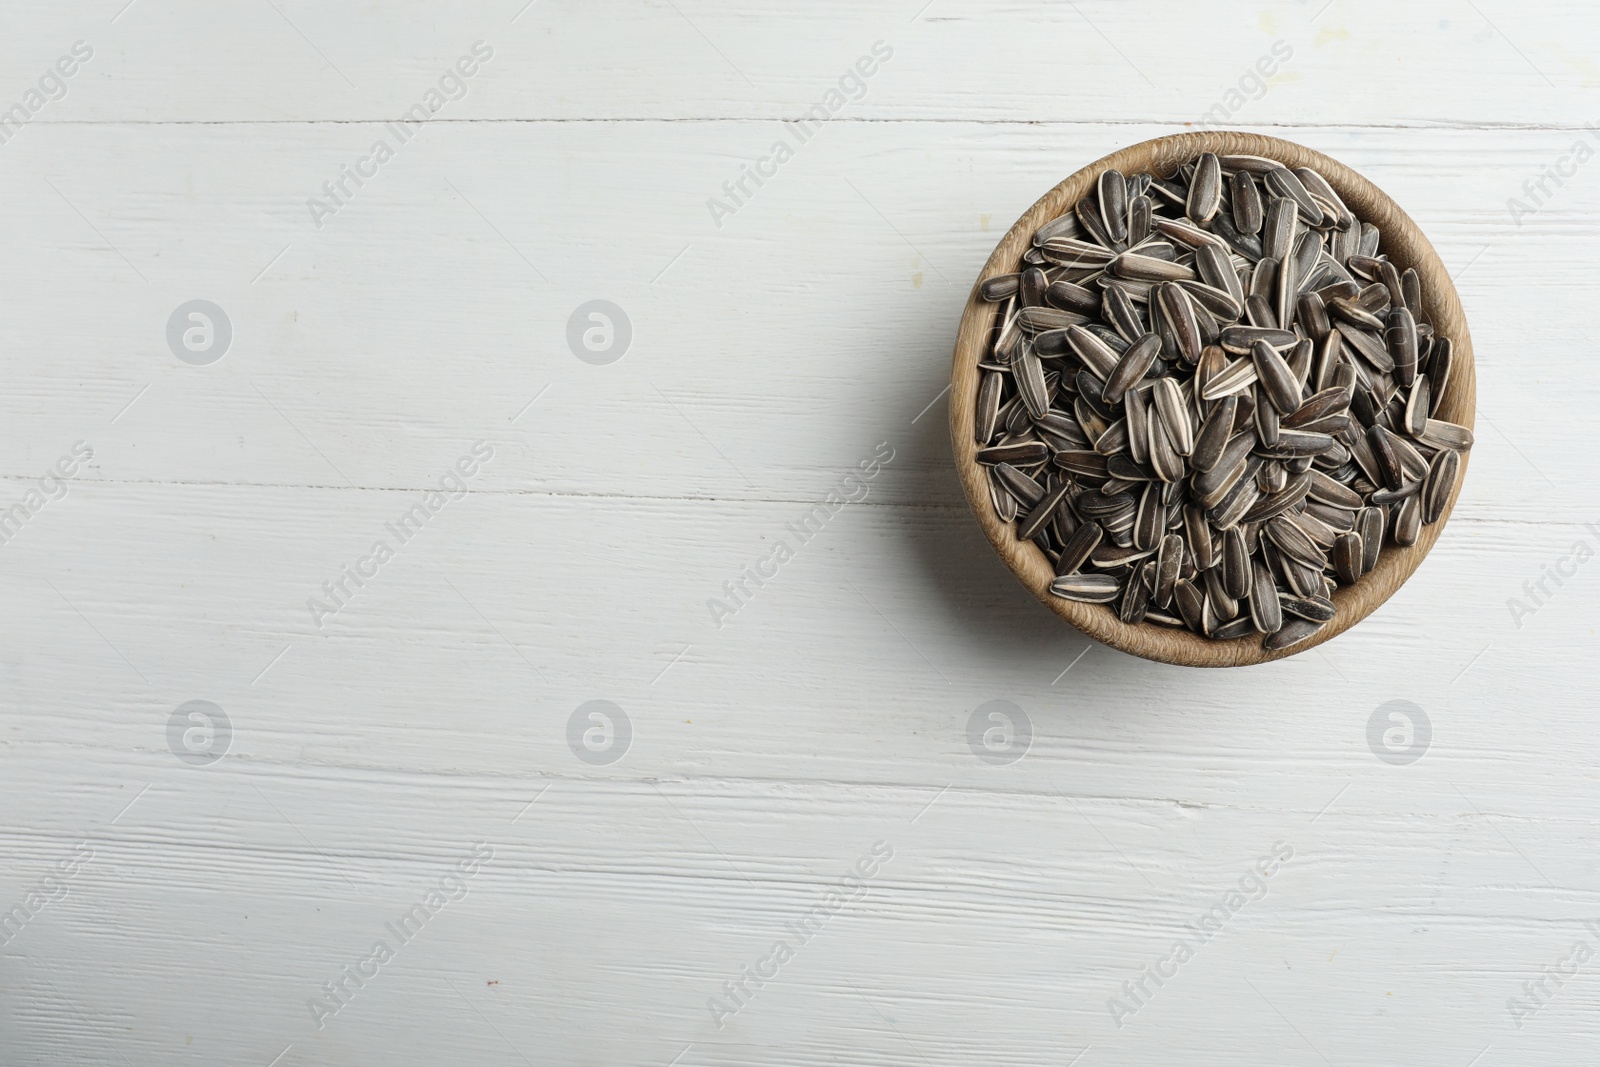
(1209, 400)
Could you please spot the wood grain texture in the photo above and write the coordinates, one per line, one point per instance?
(1402, 241)
(836, 708)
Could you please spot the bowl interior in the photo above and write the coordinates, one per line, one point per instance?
(1405, 245)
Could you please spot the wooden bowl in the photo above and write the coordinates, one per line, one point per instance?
(1404, 244)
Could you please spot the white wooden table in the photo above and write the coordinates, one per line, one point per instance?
(410, 761)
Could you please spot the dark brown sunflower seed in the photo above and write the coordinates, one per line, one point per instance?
(1315, 608)
(1095, 353)
(1135, 603)
(1240, 339)
(1439, 366)
(1382, 443)
(1266, 611)
(1247, 210)
(1140, 213)
(1438, 434)
(1282, 181)
(1275, 377)
(1267, 424)
(999, 287)
(1408, 521)
(1328, 491)
(1205, 189)
(1370, 525)
(1190, 603)
(1073, 253)
(1131, 367)
(1312, 314)
(1113, 190)
(1347, 557)
(1179, 310)
(1174, 413)
(1243, 626)
(1068, 296)
(1213, 436)
(1086, 588)
(1233, 378)
(1005, 505)
(1290, 634)
(988, 407)
(1020, 454)
(1401, 336)
(1019, 485)
(1076, 552)
(1164, 459)
(1442, 475)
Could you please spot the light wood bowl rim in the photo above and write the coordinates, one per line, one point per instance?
(1404, 243)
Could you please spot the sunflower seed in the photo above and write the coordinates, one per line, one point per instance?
(1140, 212)
(1029, 375)
(1383, 450)
(1205, 189)
(1267, 425)
(1266, 611)
(1439, 366)
(1234, 378)
(1294, 541)
(1442, 475)
(1068, 296)
(1370, 524)
(1042, 511)
(1071, 252)
(1408, 521)
(1089, 219)
(1186, 233)
(1005, 505)
(1418, 405)
(1275, 377)
(1133, 365)
(1076, 552)
(1290, 634)
(1232, 631)
(1325, 489)
(1087, 588)
(999, 287)
(1314, 608)
(1114, 204)
(1213, 435)
(1174, 414)
(1437, 434)
(1347, 557)
(1136, 597)
(1239, 340)
(1179, 310)
(1279, 230)
(1019, 485)
(1190, 602)
(1020, 454)
(1401, 336)
(1282, 180)
(1247, 210)
(1095, 353)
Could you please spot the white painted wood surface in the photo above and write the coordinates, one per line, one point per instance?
(769, 357)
